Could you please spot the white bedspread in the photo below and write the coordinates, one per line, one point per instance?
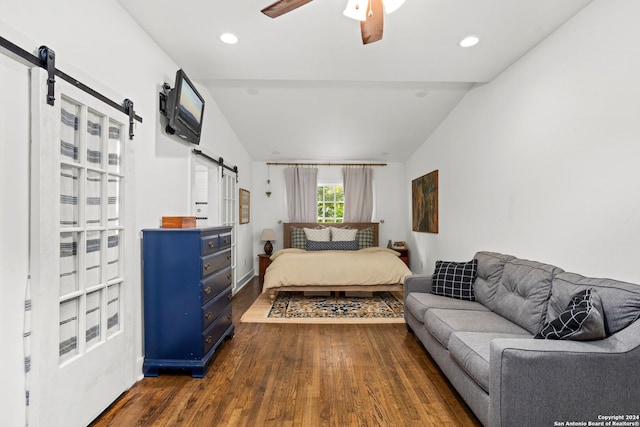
(370, 266)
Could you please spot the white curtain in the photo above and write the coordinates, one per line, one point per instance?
(358, 193)
(302, 187)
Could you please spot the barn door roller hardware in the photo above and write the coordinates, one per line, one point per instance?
(48, 61)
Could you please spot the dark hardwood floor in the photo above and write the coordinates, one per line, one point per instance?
(300, 375)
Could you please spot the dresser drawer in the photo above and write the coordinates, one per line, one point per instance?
(214, 284)
(216, 331)
(211, 311)
(209, 244)
(225, 240)
(216, 262)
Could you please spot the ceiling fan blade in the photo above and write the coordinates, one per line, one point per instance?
(371, 29)
(283, 6)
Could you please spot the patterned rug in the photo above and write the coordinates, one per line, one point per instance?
(295, 307)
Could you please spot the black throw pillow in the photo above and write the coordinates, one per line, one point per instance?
(582, 320)
(455, 279)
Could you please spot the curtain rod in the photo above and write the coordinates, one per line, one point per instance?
(324, 164)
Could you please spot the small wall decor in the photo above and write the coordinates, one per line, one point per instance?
(268, 188)
(424, 197)
(245, 206)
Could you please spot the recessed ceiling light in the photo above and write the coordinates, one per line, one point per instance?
(229, 38)
(421, 94)
(469, 41)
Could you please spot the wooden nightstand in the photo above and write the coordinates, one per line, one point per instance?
(264, 262)
(404, 255)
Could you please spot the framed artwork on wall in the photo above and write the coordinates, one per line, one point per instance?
(245, 206)
(424, 201)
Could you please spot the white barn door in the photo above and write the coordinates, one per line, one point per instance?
(82, 319)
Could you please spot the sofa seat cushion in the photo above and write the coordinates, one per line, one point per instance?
(523, 293)
(471, 351)
(441, 323)
(417, 303)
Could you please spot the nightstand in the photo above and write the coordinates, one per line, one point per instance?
(404, 255)
(264, 262)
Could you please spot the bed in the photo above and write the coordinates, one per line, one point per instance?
(369, 269)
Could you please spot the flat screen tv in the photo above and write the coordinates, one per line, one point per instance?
(185, 107)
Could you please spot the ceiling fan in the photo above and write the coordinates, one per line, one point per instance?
(368, 12)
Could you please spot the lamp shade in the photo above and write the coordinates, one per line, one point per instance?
(268, 234)
(392, 5)
(357, 9)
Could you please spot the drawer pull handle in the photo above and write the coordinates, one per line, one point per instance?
(208, 315)
(207, 266)
(207, 290)
(228, 276)
(208, 339)
(228, 257)
(229, 317)
(229, 297)
(211, 244)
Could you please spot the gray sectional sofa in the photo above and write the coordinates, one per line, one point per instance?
(487, 349)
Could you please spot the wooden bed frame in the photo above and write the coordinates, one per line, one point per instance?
(337, 288)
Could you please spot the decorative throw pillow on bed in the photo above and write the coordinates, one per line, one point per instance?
(455, 279)
(343, 234)
(582, 320)
(345, 245)
(365, 238)
(319, 235)
(298, 238)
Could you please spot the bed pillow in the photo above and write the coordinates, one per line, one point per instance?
(343, 234)
(582, 320)
(298, 238)
(319, 234)
(344, 245)
(365, 238)
(455, 279)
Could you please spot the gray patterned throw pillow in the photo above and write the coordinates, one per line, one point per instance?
(298, 238)
(365, 238)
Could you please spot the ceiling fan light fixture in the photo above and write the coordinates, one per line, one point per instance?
(391, 6)
(357, 9)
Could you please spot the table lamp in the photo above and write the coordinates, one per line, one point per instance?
(267, 235)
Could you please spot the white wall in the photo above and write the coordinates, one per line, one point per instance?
(390, 193)
(541, 163)
(100, 45)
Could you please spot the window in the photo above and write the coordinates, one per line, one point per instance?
(330, 203)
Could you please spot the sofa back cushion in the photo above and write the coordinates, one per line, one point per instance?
(490, 268)
(524, 291)
(620, 300)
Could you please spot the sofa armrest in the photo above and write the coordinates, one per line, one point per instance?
(542, 381)
(417, 283)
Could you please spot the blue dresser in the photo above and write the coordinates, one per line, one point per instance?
(187, 297)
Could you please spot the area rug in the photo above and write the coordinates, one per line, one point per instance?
(295, 307)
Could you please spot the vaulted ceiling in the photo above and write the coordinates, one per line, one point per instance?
(303, 87)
